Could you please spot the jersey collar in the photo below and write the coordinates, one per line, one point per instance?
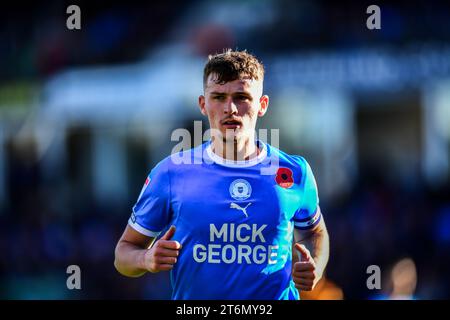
(238, 164)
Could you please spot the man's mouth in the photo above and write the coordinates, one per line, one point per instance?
(231, 124)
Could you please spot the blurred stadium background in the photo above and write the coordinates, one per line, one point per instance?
(85, 114)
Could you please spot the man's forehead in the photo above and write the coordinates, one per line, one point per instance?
(244, 84)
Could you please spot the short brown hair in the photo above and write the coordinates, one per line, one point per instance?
(232, 65)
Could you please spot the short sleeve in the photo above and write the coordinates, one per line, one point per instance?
(308, 214)
(152, 212)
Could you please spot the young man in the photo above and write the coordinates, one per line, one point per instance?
(232, 217)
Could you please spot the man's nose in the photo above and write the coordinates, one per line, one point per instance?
(230, 107)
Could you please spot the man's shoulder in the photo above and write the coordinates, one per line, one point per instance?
(285, 158)
(182, 158)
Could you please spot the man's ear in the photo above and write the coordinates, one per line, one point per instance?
(201, 104)
(264, 104)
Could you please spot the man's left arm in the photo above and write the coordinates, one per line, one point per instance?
(310, 255)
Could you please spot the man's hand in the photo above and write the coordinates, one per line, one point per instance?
(304, 273)
(163, 254)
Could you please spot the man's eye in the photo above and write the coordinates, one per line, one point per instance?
(243, 98)
(220, 98)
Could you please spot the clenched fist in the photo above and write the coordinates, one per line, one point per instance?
(304, 272)
(163, 254)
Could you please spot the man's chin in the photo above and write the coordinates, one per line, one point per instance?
(230, 139)
(231, 136)
(228, 136)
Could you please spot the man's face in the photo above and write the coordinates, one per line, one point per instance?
(233, 108)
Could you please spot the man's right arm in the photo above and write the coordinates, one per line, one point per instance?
(137, 254)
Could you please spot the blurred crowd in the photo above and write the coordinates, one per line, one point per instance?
(34, 42)
(380, 223)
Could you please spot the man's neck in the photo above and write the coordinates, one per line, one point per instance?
(237, 150)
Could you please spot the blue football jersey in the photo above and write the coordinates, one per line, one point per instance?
(234, 219)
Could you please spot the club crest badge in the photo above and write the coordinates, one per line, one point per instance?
(240, 189)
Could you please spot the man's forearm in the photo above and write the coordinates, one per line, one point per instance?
(318, 244)
(130, 259)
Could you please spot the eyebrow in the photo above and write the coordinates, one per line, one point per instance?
(224, 93)
(218, 93)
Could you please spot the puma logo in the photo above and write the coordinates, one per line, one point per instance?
(236, 206)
